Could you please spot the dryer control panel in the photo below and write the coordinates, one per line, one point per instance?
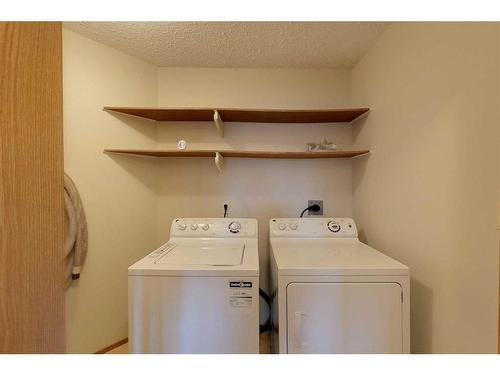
(213, 227)
(313, 227)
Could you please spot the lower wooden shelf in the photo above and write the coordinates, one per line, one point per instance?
(241, 154)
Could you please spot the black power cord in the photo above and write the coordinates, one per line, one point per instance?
(313, 208)
(225, 209)
(267, 325)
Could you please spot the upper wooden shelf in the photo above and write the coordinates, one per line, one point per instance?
(242, 154)
(244, 115)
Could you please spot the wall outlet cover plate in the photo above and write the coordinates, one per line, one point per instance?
(318, 202)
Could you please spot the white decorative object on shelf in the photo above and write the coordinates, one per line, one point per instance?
(323, 145)
(182, 144)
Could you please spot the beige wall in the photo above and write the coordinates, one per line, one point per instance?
(117, 193)
(254, 188)
(427, 195)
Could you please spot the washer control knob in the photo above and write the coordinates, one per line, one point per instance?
(234, 227)
(281, 226)
(182, 226)
(333, 226)
(293, 226)
(205, 226)
(194, 226)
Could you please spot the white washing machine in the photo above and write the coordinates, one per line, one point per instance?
(331, 293)
(198, 293)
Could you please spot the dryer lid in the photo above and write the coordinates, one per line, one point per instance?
(332, 256)
(203, 255)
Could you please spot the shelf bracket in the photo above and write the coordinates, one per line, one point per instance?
(219, 161)
(219, 124)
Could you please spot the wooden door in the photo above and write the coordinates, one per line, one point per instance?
(31, 188)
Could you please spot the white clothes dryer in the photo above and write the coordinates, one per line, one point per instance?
(331, 293)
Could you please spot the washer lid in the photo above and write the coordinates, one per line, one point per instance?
(234, 257)
(203, 255)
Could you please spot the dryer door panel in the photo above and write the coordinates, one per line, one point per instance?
(344, 318)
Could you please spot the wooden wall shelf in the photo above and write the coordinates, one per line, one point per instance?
(241, 154)
(243, 115)
(220, 116)
(219, 155)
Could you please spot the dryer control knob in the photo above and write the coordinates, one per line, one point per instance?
(182, 226)
(194, 226)
(333, 226)
(281, 226)
(234, 227)
(205, 226)
(293, 226)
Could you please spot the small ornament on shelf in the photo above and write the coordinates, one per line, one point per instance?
(182, 144)
(323, 145)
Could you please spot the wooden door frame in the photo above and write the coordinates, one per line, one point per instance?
(31, 189)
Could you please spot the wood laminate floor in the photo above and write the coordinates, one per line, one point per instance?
(264, 346)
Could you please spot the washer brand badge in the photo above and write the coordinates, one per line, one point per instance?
(240, 284)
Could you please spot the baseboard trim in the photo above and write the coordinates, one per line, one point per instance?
(112, 346)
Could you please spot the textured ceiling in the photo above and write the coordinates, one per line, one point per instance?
(238, 44)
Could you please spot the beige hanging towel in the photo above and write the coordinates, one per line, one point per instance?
(76, 235)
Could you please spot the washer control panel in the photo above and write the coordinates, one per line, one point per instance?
(313, 227)
(213, 227)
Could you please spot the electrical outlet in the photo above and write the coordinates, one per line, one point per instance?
(318, 202)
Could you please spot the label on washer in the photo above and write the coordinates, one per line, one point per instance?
(240, 284)
(240, 301)
(240, 294)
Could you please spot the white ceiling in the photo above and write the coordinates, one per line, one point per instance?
(238, 44)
